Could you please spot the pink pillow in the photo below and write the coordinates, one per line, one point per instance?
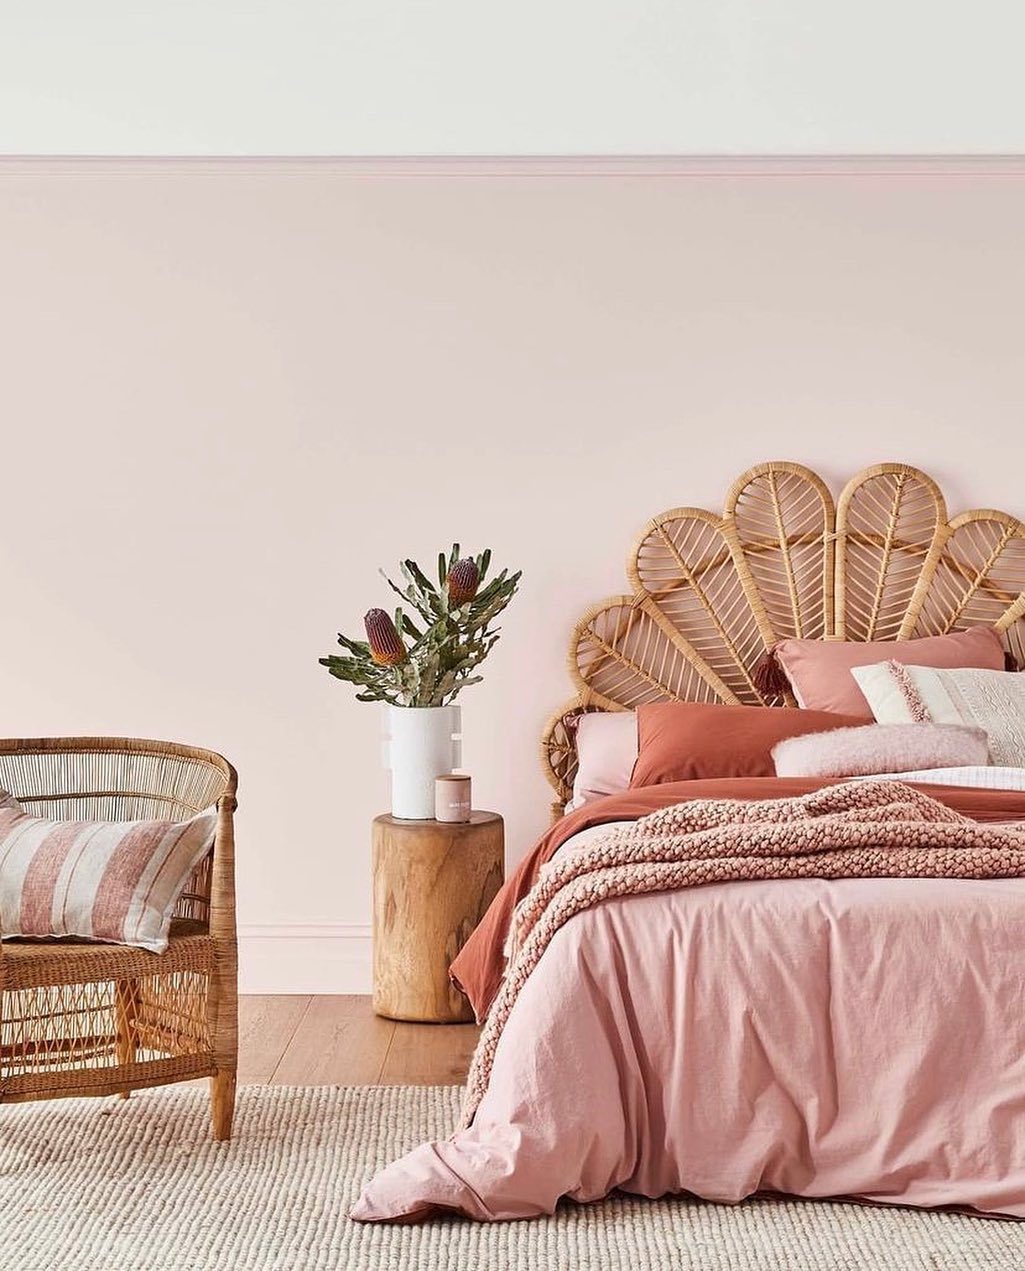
(875, 748)
(606, 753)
(819, 671)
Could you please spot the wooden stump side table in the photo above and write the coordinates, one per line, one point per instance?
(433, 880)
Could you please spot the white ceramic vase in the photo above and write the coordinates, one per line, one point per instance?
(421, 743)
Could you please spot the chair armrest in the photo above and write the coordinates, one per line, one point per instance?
(222, 872)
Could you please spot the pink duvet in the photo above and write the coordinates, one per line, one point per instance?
(860, 1037)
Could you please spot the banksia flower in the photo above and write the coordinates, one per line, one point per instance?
(386, 647)
(425, 655)
(463, 581)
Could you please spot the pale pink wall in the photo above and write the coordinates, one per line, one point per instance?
(229, 394)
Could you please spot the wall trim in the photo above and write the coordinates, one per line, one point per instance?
(303, 958)
(527, 165)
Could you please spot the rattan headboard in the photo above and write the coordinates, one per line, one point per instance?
(710, 593)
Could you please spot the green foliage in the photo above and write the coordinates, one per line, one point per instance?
(448, 642)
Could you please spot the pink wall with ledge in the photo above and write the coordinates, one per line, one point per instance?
(231, 392)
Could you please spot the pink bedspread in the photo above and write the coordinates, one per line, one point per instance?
(858, 1037)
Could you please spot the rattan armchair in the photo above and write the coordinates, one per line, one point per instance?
(79, 1018)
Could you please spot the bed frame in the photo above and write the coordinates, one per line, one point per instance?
(709, 594)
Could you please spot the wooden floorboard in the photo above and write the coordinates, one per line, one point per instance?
(266, 1026)
(315, 1041)
(429, 1054)
(338, 1042)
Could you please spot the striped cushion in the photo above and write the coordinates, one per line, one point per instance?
(115, 881)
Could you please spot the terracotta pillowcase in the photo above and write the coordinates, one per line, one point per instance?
(819, 671)
(693, 741)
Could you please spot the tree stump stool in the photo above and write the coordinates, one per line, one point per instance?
(433, 881)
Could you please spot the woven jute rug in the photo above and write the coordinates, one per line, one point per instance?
(138, 1186)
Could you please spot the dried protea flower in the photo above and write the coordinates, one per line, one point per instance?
(463, 581)
(386, 647)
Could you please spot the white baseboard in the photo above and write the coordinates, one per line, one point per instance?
(304, 959)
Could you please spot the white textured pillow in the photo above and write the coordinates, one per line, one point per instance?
(606, 754)
(991, 700)
(874, 748)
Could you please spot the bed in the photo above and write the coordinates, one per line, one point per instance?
(738, 986)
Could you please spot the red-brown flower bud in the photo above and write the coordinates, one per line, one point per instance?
(386, 647)
(463, 581)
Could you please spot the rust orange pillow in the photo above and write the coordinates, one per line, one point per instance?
(691, 741)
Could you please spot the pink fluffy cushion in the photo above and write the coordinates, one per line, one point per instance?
(875, 748)
(819, 671)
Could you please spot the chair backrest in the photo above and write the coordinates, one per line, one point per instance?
(112, 778)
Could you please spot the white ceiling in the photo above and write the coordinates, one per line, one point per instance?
(539, 77)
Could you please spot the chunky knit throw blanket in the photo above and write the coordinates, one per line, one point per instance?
(869, 829)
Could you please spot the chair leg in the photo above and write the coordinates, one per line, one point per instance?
(126, 1010)
(222, 1104)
